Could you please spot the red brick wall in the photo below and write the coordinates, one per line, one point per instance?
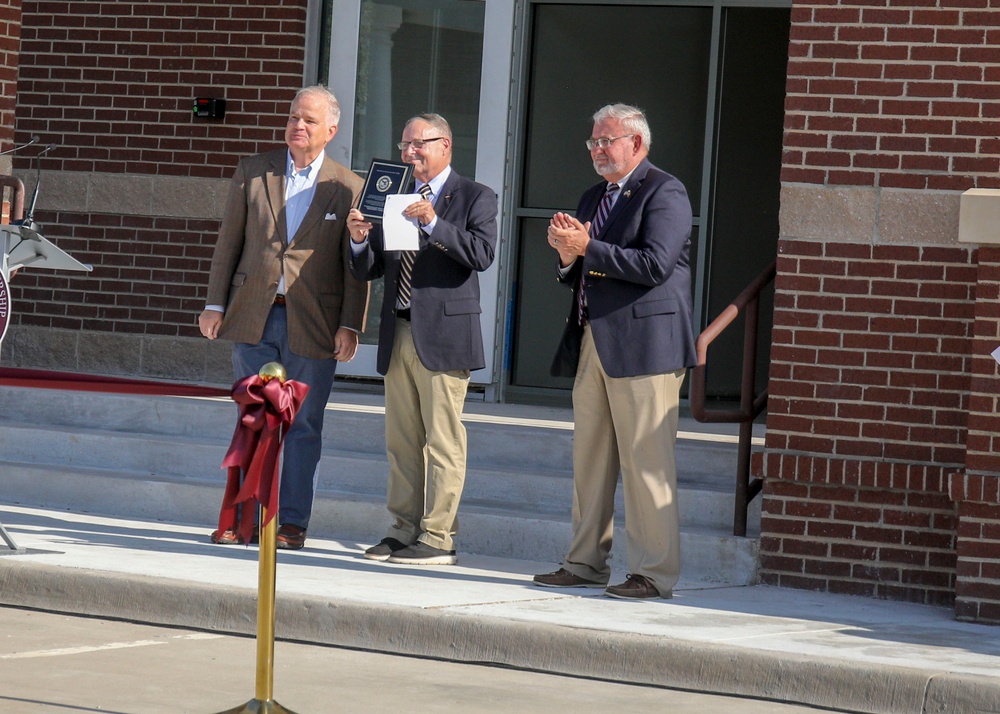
(10, 36)
(869, 352)
(148, 280)
(859, 527)
(978, 547)
(876, 346)
(867, 417)
(112, 84)
(894, 94)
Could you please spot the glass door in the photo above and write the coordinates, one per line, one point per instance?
(662, 64)
(391, 59)
(711, 81)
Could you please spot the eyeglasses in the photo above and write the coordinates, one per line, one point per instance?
(604, 142)
(417, 143)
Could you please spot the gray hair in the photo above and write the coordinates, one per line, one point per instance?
(632, 119)
(435, 120)
(333, 106)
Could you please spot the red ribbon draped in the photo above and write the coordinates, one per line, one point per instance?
(43, 379)
(267, 409)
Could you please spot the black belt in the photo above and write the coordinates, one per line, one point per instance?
(403, 314)
(279, 299)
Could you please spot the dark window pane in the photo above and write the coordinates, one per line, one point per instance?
(660, 65)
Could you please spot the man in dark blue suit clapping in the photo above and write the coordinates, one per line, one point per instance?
(628, 342)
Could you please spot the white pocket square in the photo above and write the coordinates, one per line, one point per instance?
(330, 217)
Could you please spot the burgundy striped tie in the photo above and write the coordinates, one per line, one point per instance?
(595, 228)
(407, 257)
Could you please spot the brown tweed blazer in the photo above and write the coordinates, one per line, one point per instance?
(252, 250)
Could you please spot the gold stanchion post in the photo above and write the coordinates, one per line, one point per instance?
(267, 557)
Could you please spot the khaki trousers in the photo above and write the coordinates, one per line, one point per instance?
(425, 442)
(627, 424)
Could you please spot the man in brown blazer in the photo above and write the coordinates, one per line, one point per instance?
(280, 287)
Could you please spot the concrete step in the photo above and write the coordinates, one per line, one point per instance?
(706, 554)
(500, 436)
(181, 458)
(159, 457)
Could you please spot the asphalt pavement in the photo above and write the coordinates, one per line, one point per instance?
(840, 652)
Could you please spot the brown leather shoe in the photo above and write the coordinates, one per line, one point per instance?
(291, 537)
(562, 578)
(230, 536)
(226, 537)
(636, 587)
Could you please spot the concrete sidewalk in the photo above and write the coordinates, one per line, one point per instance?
(840, 652)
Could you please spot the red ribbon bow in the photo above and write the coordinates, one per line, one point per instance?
(267, 409)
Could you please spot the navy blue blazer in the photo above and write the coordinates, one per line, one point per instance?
(444, 295)
(637, 280)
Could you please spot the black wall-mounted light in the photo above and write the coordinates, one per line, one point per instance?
(209, 108)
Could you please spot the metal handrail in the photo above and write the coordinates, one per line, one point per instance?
(751, 405)
(17, 196)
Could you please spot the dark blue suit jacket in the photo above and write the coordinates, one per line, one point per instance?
(637, 280)
(444, 296)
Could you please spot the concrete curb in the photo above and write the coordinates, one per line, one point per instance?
(450, 635)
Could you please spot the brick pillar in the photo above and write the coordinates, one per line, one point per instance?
(866, 416)
(976, 491)
(977, 587)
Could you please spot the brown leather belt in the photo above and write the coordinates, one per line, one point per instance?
(279, 299)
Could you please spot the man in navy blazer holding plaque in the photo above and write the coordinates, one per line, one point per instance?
(430, 340)
(628, 342)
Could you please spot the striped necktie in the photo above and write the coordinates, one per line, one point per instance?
(603, 210)
(595, 228)
(407, 257)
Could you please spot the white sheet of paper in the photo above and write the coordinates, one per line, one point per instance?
(996, 354)
(398, 231)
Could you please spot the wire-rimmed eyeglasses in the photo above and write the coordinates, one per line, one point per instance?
(604, 142)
